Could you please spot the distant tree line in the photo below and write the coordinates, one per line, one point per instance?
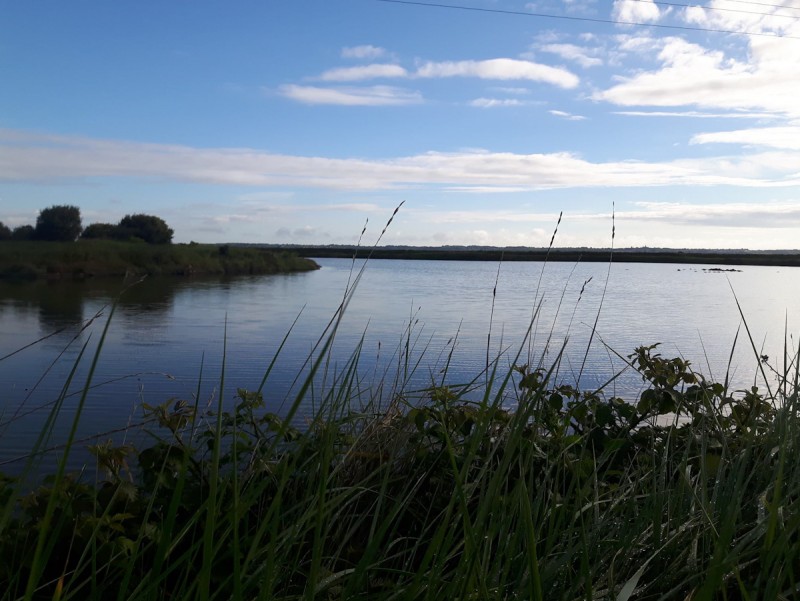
(62, 223)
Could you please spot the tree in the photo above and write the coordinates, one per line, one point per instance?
(5, 232)
(103, 231)
(23, 232)
(59, 223)
(149, 228)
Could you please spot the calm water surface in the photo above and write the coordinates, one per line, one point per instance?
(168, 337)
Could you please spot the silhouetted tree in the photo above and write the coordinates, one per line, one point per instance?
(23, 232)
(5, 232)
(149, 228)
(59, 223)
(104, 231)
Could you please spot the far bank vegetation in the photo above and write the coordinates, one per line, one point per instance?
(58, 246)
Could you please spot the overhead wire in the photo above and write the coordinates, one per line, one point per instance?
(586, 19)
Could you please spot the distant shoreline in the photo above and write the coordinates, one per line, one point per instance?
(692, 257)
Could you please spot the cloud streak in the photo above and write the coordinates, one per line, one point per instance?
(351, 96)
(363, 52)
(26, 157)
(583, 56)
(364, 72)
(503, 69)
(498, 69)
(786, 137)
(732, 214)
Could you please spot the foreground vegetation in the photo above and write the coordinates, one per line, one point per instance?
(102, 258)
(533, 490)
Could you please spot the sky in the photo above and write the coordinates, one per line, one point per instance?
(302, 121)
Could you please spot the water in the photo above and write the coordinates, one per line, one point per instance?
(169, 337)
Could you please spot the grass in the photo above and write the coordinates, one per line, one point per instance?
(103, 258)
(537, 490)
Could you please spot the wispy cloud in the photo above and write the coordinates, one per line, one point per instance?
(697, 114)
(351, 96)
(730, 214)
(512, 91)
(787, 137)
(488, 103)
(567, 116)
(636, 11)
(581, 55)
(364, 72)
(500, 69)
(37, 157)
(363, 52)
(304, 232)
(255, 208)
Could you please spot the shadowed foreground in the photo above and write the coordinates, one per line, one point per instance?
(537, 491)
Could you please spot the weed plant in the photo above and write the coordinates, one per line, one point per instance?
(537, 490)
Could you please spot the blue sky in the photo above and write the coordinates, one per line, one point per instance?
(297, 121)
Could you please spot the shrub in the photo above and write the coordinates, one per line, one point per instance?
(60, 223)
(23, 232)
(149, 228)
(101, 231)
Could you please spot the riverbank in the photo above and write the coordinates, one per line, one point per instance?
(688, 493)
(705, 257)
(108, 258)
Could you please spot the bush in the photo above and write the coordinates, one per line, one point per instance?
(149, 228)
(5, 232)
(61, 223)
(101, 231)
(23, 232)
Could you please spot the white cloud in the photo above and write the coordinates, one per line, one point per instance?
(495, 102)
(346, 207)
(500, 69)
(726, 214)
(636, 11)
(363, 72)
(640, 44)
(351, 96)
(365, 52)
(787, 137)
(567, 116)
(514, 91)
(582, 56)
(697, 114)
(690, 75)
(768, 18)
(31, 157)
(306, 231)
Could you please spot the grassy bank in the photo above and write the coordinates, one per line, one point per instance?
(586, 255)
(103, 258)
(536, 491)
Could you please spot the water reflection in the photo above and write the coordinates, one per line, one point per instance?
(64, 304)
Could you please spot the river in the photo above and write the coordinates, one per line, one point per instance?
(438, 319)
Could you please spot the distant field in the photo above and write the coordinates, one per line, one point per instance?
(787, 259)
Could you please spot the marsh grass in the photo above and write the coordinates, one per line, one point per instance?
(103, 258)
(536, 490)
